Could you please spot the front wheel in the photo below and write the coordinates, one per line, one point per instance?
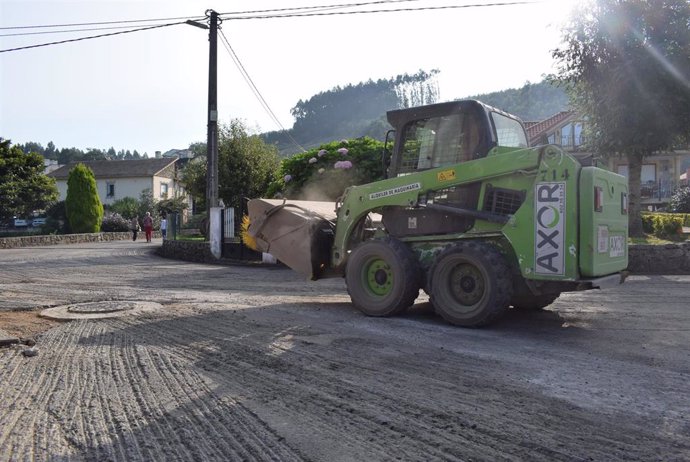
(470, 284)
(383, 277)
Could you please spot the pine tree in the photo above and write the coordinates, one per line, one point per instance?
(83, 206)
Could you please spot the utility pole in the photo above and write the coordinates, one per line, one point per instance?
(212, 138)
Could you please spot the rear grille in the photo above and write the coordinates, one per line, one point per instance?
(503, 201)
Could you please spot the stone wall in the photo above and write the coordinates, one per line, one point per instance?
(55, 239)
(195, 251)
(659, 259)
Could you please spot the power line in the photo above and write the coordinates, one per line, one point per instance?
(21, 34)
(100, 23)
(312, 11)
(318, 7)
(254, 88)
(390, 10)
(89, 37)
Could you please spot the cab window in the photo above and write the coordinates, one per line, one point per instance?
(509, 132)
(439, 141)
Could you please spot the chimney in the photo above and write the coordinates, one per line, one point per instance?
(158, 154)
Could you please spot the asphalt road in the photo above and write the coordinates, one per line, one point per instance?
(252, 363)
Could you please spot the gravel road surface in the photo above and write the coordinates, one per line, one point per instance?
(253, 363)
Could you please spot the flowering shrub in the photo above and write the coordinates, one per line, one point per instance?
(114, 223)
(323, 174)
(343, 164)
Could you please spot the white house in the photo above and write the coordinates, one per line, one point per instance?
(116, 179)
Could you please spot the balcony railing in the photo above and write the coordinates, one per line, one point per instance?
(659, 190)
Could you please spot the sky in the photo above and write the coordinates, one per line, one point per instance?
(148, 90)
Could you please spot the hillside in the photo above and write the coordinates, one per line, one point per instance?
(532, 102)
(319, 124)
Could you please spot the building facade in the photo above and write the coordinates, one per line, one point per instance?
(117, 179)
(661, 174)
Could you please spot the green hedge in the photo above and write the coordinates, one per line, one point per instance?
(665, 225)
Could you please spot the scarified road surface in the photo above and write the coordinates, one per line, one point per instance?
(250, 363)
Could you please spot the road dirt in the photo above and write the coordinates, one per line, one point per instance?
(253, 363)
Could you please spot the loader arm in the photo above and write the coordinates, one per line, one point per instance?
(406, 190)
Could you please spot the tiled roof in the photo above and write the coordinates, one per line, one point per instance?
(535, 130)
(117, 168)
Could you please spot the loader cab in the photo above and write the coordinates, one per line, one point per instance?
(439, 135)
(449, 133)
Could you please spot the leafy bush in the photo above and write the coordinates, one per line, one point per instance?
(680, 201)
(664, 225)
(114, 223)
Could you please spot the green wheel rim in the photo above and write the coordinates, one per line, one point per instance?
(378, 277)
(467, 284)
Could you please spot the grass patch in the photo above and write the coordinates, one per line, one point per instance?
(650, 239)
(190, 237)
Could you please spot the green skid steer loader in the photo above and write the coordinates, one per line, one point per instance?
(468, 212)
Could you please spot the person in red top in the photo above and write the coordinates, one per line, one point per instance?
(148, 226)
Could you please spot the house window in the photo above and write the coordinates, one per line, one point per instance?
(566, 135)
(110, 190)
(578, 138)
(647, 175)
(164, 189)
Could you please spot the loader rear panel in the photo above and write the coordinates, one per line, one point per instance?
(603, 222)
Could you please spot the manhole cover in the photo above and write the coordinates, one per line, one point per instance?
(100, 310)
(101, 307)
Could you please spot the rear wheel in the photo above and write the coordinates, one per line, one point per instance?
(470, 284)
(383, 277)
(533, 302)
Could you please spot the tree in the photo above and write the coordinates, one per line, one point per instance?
(246, 167)
(172, 205)
(626, 64)
(50, 152)
(30, 147)
(23, 186)
(82, 204)
(194, 180)
(127, 207)
(146, 203)
(198, 149)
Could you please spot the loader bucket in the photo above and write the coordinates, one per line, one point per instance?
(298, 233)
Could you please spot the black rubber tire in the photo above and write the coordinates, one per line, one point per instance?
(470, 284)
(533, 302)
(383, 277)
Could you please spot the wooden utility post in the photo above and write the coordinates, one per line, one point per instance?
(212, 139)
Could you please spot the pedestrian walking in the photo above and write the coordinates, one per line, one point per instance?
(134, 227)
(164, 226)
(148, 226)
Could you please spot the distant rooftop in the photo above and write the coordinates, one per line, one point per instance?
(117, 168)
(535, 130)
